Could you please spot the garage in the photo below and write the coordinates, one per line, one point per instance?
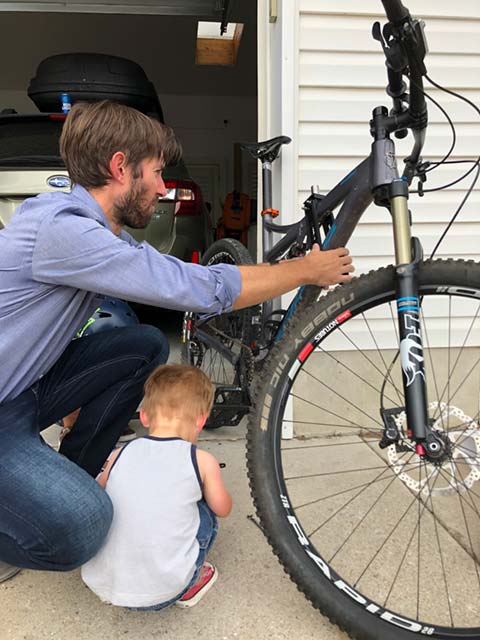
(320, 74)
(211, 106)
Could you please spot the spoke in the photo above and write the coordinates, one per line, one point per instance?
(463, 381)
(364, 355)
(357, 375)
(392, 531)
(432, 367)
(468, 491)
(345, 471)
(387, 369)
(350, 425)
(333, 444)
(419, 543)
(362, 490)
(467, 528)
(339, 493)
(343, 398)
(394, 322)
(448, 357)
(442, 561)
(322, 424)
(447, 385)
(361, 521)
(466, 451)
(417, 529)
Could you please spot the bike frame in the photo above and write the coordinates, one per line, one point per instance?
(354, 191)
(375, 179)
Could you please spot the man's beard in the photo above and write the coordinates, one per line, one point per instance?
(133, 210)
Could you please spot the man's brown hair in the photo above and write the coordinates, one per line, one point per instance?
(178, 390)
(94, 131)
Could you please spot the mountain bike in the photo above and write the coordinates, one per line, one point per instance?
(363, 440)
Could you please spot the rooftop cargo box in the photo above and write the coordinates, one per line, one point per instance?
(89, 77)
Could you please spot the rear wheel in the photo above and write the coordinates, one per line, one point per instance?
(384, 542)
(221, 346)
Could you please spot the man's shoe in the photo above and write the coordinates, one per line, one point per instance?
(205, 581)
(7, 571)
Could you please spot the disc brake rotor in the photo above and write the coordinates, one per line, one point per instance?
(455, 474)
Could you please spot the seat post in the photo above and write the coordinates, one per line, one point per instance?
(267, 239)
(266, 151)
(267, 234)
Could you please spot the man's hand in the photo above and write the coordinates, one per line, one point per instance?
(324, 268)
(263, 281)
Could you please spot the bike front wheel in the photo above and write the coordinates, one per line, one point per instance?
(384, 542)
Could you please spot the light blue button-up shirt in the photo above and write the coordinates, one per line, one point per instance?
(57, 255)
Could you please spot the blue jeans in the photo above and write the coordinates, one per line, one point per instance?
(53, 515)
(206, 534)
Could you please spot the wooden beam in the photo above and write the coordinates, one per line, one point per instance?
(237, 36)
(214, 51)
(221, 51)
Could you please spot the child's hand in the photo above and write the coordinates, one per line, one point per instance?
(214, 491)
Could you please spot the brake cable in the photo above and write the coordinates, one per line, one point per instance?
(428, 167)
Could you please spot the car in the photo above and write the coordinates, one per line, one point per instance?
(30, 162)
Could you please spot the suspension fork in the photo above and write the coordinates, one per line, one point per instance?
(408, 254)
(391, 191)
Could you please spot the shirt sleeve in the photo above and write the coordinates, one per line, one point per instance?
(76, 251)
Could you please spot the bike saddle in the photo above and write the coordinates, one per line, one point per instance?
(268, 150)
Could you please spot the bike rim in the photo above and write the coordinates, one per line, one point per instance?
(398, 536)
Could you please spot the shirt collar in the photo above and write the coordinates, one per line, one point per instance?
(86, 197)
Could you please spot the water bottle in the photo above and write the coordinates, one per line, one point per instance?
(66, 102)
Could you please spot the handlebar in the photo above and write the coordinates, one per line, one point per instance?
(395, 10)
(403, 41)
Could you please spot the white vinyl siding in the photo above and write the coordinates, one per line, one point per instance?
(341, 77)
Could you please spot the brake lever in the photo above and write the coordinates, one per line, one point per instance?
(414, 161)
(396, 63)
(421, 174)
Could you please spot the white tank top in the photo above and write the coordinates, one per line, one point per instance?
(150, 552)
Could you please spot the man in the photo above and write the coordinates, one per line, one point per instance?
(57, 255)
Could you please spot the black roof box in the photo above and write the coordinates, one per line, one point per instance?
(89, 77)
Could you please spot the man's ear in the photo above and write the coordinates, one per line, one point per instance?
(118, 167)
(143, 419)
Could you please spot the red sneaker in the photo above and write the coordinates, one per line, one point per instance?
(206, 579)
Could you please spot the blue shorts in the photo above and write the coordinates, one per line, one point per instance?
(206, 534)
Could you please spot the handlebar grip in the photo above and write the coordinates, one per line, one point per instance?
(395, 10)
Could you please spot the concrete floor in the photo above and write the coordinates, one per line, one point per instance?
(252, 599)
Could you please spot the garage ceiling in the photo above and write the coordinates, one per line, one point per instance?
(206, 9)
(164, 45)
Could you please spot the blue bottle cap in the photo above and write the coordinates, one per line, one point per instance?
(66, 102)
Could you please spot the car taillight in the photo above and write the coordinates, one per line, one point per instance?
(187, 194)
